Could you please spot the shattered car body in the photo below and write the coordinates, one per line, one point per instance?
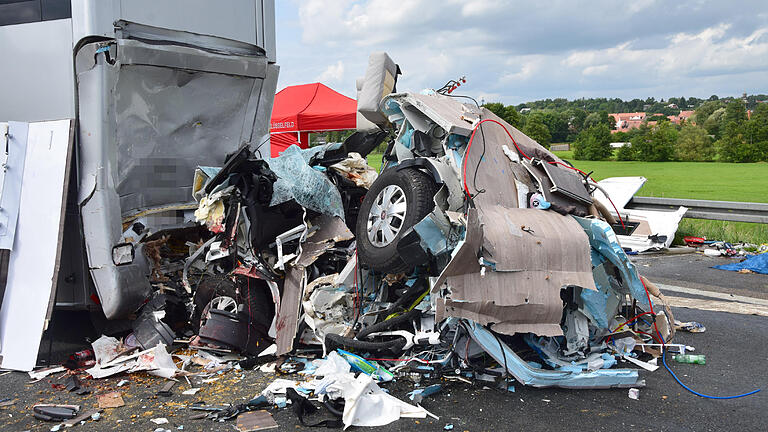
(473, 239)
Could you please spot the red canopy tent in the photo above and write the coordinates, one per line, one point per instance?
(299, 110)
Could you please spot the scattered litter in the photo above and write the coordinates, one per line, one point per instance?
(690, 358)
(166, 390)
(690, 326)
(634, 393)
(93, 414)
(122, 383)
(755, 263)
(159, 420)
(39, 374)
(191, 391)
(419, 394)
(448, 426)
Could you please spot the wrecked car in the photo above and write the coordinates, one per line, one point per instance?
(472, 239)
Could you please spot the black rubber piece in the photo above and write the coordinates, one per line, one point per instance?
(389, 324)
(419, 189)
(333, 341)
(209, 288)
(254, 295)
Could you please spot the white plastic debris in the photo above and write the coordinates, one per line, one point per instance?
(333, 364)
(634, 393)
(159, 420)
(42, 373)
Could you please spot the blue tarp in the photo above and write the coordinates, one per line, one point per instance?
(756, 263)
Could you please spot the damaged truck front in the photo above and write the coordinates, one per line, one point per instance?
(156, 90)
(153, 105)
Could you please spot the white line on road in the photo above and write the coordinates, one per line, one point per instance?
(718, 306)
(712, 294)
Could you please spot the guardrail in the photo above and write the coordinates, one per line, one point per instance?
(701, 209)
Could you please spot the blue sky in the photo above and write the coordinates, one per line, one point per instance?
(516, 51)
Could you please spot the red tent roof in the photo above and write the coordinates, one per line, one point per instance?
(309, 108)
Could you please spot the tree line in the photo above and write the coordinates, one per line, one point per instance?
(718, 130)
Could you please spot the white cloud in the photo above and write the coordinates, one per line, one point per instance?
(333, 73)
(522, 50)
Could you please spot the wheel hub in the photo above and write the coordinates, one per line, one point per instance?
(386, 217)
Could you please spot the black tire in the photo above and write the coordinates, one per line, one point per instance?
(419, 190)
(209, 288)
(253, 294)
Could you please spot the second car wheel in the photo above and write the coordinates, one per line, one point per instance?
(396, 201)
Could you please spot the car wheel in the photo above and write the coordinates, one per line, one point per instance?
(396, 201)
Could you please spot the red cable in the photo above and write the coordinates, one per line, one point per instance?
(650, 305)
(469, 146)
(629, 321)
(354, 310)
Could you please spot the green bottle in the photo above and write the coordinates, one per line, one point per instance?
(690, 358)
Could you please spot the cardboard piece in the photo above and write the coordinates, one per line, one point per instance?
(535, 253)
(255, 421)
(34, 260)
(110, 400)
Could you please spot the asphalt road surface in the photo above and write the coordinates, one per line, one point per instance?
(735, 346)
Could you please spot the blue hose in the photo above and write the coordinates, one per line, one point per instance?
(664, 360)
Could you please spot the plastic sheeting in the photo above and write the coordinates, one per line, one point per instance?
(309, 187)
(756, 263)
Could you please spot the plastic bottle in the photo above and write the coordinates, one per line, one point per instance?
(690, 358)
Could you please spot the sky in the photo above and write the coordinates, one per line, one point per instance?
(516, 51)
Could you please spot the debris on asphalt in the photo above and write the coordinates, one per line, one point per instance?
(92, 414)
(51, 412)
(255, 421)
(39, 374)
(690, 327)
(754, 263)
(165, 391)
(110, 400)
(634, 393)
(690, 358)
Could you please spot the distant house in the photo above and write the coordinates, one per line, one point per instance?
(524, 110)
(678, 119)
(627, 121)
(673, 106)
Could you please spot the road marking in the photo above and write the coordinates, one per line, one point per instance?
(712, 294)
(717, 306)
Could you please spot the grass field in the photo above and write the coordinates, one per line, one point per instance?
(694, 180)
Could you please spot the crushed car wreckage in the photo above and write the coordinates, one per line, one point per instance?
(472, 229)
(475, 252)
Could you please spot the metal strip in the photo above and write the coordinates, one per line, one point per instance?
(13, 171)
(702, 209)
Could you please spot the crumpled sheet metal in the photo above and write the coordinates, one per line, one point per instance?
(309, 187)
(603, 239)
(524, 373)
(531, 254)
(600, 305)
